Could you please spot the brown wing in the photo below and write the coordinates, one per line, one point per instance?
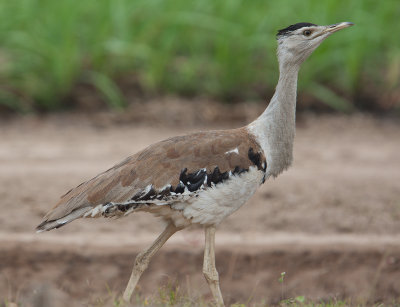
(163, 164)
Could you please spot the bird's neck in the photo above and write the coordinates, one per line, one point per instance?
(275, 128)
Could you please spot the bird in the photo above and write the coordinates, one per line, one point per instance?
(203, 177)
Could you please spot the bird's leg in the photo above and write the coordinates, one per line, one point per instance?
(143, 258)
(209, 270)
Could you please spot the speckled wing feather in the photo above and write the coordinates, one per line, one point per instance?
(162, 173)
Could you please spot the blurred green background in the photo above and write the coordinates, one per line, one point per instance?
(223, 50)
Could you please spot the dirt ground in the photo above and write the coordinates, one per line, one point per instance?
(332, 222)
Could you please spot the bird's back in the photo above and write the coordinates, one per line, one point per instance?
(166, 172)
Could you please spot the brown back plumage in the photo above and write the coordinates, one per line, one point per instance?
(160, 165)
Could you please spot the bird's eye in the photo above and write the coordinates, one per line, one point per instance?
(307, 32)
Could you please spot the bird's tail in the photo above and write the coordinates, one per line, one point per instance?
(47, 224)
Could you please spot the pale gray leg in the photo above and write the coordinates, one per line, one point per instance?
(209, 270)
(143, 258)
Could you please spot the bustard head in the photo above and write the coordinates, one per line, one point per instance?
(298, 41)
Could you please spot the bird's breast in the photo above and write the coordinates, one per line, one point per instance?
(214, 204)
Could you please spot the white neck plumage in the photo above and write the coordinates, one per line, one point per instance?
(275, 128)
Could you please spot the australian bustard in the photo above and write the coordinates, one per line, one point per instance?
(200, 178)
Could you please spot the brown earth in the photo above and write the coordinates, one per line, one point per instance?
(332, 222)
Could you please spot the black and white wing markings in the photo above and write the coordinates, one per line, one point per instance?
(189, 186)
(257, 160)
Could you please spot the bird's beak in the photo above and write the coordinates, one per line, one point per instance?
(338, 26)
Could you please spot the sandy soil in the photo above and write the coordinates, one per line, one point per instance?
(331, 222)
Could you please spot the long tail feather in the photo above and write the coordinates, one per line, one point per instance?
(47, 225)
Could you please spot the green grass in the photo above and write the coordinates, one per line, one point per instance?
(220, 49)
(172, 296)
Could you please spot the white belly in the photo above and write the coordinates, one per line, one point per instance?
(214, 204)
